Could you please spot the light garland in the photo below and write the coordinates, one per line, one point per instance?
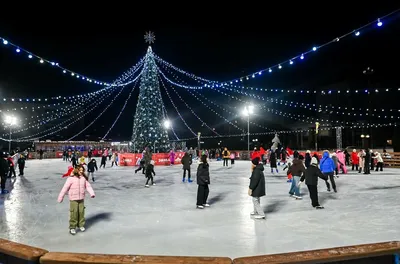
(31, 56)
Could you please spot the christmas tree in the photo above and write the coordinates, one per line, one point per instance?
(149, 123)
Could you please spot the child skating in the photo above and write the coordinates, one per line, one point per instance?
(76, 186)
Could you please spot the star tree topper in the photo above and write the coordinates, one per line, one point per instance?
(149, 37)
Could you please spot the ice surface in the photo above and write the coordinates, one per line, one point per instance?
(127, 218)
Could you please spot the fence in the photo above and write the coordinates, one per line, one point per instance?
(383, 253)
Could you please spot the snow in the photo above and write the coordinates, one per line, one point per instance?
(126, 218)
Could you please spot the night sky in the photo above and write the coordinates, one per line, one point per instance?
(213, 46)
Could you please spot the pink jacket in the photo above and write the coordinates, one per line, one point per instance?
(76, 187)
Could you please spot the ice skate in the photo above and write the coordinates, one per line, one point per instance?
(200, 207)
(147, 186)
(4, 191)
(82, 229)
(206, 205)
(319, 207)
(259, 217)
(72, 231)
(253, 213)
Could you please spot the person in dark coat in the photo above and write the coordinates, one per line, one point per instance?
(186, 162)
(257, 187)
(203, 180)
(92, 165)
(367, 162)
(272, 161)
(311, 176)
(307, 159)
(149, 174)
(297, 170)
(4, 167)
(21, 164)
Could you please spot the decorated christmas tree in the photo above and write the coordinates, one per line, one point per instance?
(149, 123)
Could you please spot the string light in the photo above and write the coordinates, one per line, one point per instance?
(42, 60)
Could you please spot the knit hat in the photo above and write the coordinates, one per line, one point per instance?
(314, 161)
(256, 161)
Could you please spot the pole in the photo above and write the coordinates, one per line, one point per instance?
(198, 145)
(248, 135)
(316, 142)
(9, 143)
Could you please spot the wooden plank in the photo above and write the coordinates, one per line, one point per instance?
(78, 258)
(21, 251)
(325, 255)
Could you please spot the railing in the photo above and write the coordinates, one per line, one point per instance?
(382, 253)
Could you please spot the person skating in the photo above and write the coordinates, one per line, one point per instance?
(257, 188)
(11, 171)
(379, 159)
(225, 156)
(272, 161)
(21, 164)
(355, 160)
(336, 162)
(186, 162)
(311, 177)
(203, 180)
(149, 174)
(297, 170)
(367, 162)
(307, 159)
(92, 165)
(4, 167)
(142, 164)
(76, 186)
(327, 166)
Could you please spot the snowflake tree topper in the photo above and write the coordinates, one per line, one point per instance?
(149, 37)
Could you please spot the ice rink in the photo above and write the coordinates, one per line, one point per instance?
(126, 218)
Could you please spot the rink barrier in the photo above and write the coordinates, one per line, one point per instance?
(382, 253)
(11, 252)
(80, 258)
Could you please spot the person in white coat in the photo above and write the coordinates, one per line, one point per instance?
(379, 159)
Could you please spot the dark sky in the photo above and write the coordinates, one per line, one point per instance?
(213, 44)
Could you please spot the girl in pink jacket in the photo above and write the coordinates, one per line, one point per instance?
(76, 186)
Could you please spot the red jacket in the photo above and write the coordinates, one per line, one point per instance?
(10, 161)
(354, 158)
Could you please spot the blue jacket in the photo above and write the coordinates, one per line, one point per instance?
(326, 164)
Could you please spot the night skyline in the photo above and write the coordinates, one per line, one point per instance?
(209, 55)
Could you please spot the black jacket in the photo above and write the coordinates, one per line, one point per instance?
(92, 165)
(203, 174)
(150, 170)
(186, 161)
(311, 175)
(307, 160)
(257, 181)
(297, 168)
(4, 167)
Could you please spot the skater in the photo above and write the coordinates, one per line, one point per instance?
(103, 160)
(297, 170)
(272, 161)
(203, 180)
(186, 162)
(92, 165)
(226, 156)
(361, 156)
(367, 162)
(307, 159)
(341, 161)
(327, 167)
(76, 186)
(311, 176)
(257, 188)
(379, 164)
(336, 162)
(354, 160)
(172, 157)
(149, 174)
(21, 164)
(4, 167)
(114, 160)
(11, 171)
(233, 158)
(74, 160)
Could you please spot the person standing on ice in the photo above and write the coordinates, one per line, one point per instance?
(203, 180)
(3, 172)
(257, 187)
(149, 174)
(379, 159)
(361, 160)
(76, 186)
(92, 165)
(327, 166)
(311, 176)
(226, 156)
(272, 161)
(186, 162)
(355, 160)
(297, 170)
(341, 161)
(172, 157)
(307, 159)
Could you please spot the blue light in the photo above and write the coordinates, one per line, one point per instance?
(379, 24)
(357, 33)
(18, 50)
(302, 57)
(291, 62)
(5, 42)
(30, 56)
(259, 73)
(314, 48)
(280, 67)
(270, 70)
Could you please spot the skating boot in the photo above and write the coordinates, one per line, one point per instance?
(189, 180)
(4, 191)
(72, 231)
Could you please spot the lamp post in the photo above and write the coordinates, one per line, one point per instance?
(10, 121)
(167, 125)
(247, 111)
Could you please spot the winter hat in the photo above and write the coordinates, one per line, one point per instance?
(308, 151)
(354, 150)
(256, 161)
(314, 161)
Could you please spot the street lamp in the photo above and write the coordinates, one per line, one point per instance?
(167, 123)
(10, 121)
(247, 111)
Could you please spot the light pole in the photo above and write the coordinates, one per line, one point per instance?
(167, 125)
(247, 111)
(10, 121)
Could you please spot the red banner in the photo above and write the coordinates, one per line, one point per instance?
(132, 159)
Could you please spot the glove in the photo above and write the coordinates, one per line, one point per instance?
(250, 192)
